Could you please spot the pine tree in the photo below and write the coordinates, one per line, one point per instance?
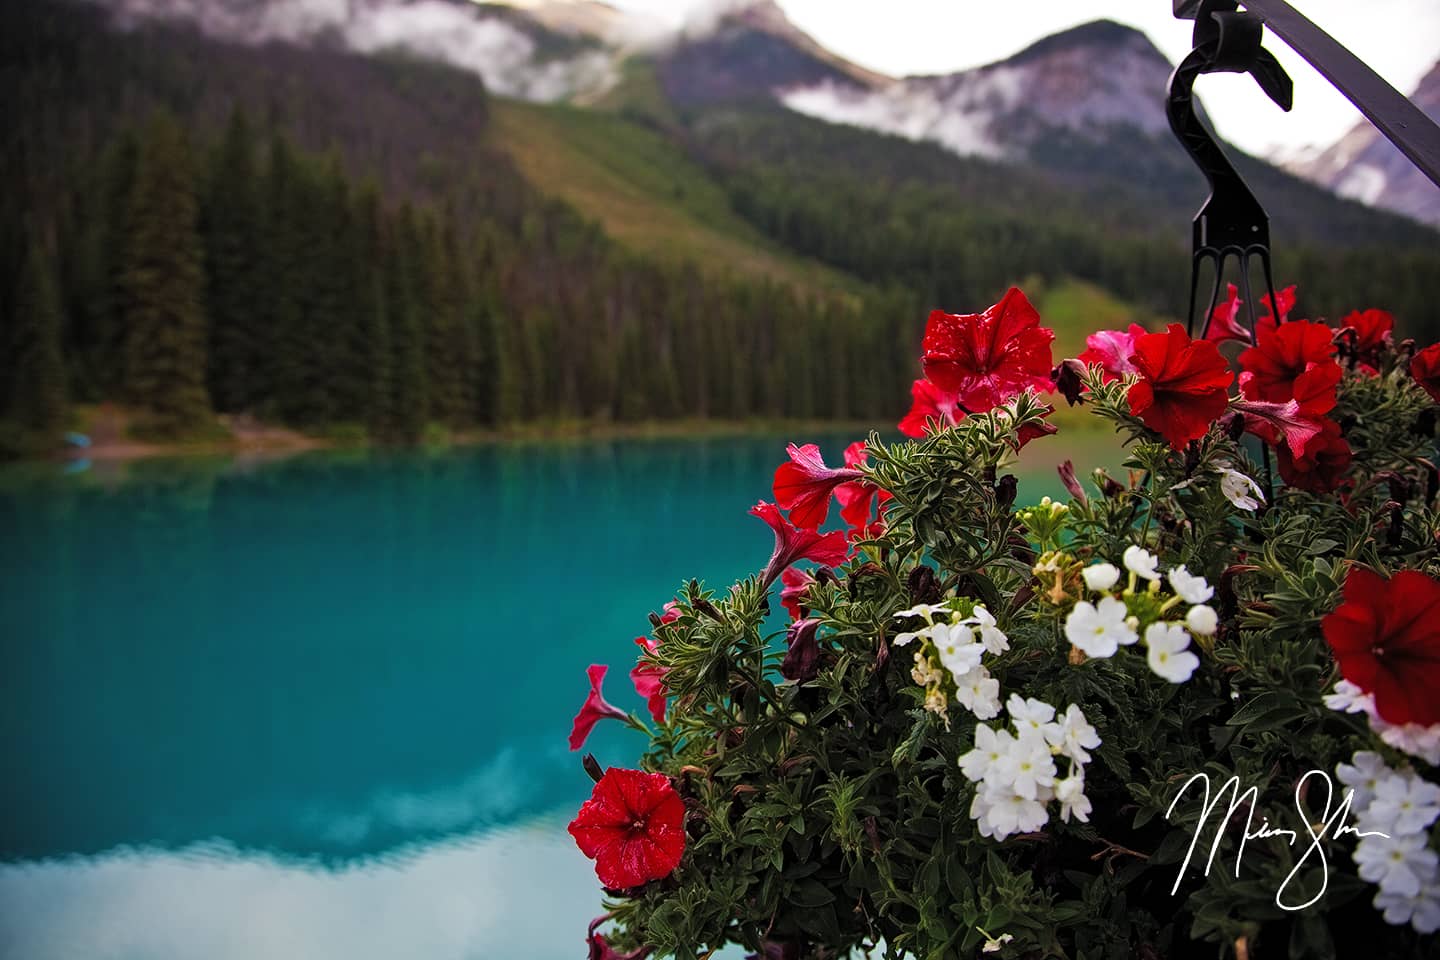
(163, 285)
(369, 390)
(407, 330)
(96, 343)
(233, 269)
(280, 371)
(441, 313)
(37, 374)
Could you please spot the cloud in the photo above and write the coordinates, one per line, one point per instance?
(452, 32)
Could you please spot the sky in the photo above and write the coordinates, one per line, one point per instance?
(1399, 39)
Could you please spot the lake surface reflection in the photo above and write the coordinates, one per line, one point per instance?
(318, 708)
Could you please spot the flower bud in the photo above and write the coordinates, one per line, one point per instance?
(1202, 620)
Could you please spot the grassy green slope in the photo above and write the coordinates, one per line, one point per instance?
(1074, 309)
(644, 192)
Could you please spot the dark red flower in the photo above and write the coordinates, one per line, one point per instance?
(1321, 470)
(600, 948)
(1182, 386)
(1425, 368)
(987, 358)
(1034, 431)
(802, 658)
(633, 827)
(595, 708)
(793, 543)
(1112, 350)
(857, 496)
(649, 680)
(1374, 330)
(1276, 421)
(796, 582)
(1386, 638)
(1269, 369)
(1225, 322)
(803, 486)
(930, 403)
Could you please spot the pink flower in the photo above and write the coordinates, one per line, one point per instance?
(857, 496)
(649, 680)
(803, 486)
(1225, 321)
(1274, 420)
(796, 582)
(600, 948)
(930, 403)
(987, 358)
(794, 543)
(595, 708)
(1112, 350)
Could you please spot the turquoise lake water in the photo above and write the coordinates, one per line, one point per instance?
(318, 708)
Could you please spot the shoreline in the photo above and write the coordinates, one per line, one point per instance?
(279, 442)
(245, 437)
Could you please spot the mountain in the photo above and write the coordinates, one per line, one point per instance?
(547, 51)
(1090, 82)
(1364, 166)
(752, 52)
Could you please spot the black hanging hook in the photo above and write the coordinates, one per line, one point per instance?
(1232, 223)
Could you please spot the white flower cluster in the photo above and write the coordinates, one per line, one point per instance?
(1016, 773)
(1100, 629)
(1412, 738)
(959, 642)
(1393, 811)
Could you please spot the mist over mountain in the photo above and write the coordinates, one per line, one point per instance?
(550, 52)
(1092, 81)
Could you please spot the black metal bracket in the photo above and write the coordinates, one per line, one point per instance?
(1401, 122)
(1232, 223)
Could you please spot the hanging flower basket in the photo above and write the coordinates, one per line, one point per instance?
(1192, 710)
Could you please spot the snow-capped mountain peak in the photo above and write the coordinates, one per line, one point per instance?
(1086, 82)
(1364, 166)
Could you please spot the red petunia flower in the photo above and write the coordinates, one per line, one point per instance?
(803, 486)
(987, 358)
(1269, 369)
(1322, 469)
(633, 827)
(600, 948)
(595, 708)
(1225, 321)
(1112, 350)
(1386, 638)
(796, 582)
(857, 496)
(1425, 368)
(930, 403)
(1182, 386)
(649, 680)
(1034, 431)
(1276, 421)
(1374, 330)
(793, 543)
